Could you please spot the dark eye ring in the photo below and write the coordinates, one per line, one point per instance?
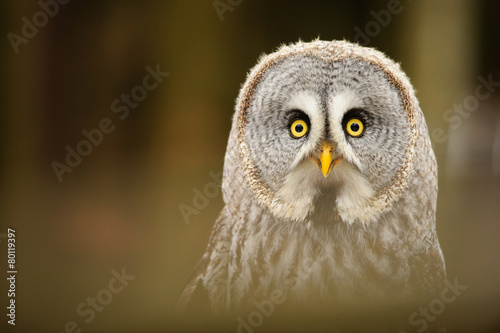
(298, 124)
(356, 121)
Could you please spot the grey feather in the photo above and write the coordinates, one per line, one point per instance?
(366, 233)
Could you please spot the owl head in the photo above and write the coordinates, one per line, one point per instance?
(325, 126)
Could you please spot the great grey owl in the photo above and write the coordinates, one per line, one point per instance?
(330, 189)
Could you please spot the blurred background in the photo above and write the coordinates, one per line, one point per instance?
(144, 199)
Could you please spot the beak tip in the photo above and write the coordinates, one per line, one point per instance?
(325, 172)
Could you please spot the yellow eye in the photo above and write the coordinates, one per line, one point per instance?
(355, 127)
(298, 128)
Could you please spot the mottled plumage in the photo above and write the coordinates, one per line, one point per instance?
(363, 233)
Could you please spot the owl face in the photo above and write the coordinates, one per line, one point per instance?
(318, 129)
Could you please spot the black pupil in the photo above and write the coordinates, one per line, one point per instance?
(299, 128)
(354, 127)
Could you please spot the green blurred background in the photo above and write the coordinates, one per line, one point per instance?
(121, 206)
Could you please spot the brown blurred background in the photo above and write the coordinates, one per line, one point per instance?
(120, 207)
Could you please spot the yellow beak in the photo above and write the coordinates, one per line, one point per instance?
(326, 159)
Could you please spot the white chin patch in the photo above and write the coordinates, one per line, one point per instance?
(355, 192)
(302, 185)
(299, 189)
